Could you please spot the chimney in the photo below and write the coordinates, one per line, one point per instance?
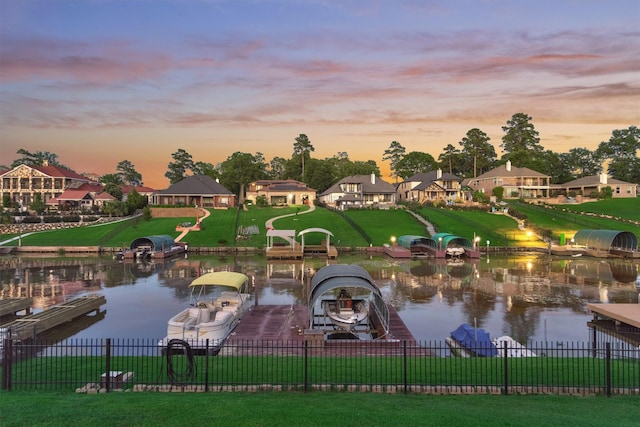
(373, 178)
(439, 173)
(603, 178)
(218, 180)
(508, 165)
(45, 162)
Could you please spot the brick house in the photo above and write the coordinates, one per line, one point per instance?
(517, 182)
(200, 190)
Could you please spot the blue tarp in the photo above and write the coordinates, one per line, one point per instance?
(466, 335)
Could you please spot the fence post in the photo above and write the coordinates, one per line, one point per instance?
(305, 367)
(608, 368)
(404, 356)
(505, 346)
(207, 356)
(107, 380)
(7, 351)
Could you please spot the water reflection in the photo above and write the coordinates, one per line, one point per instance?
(529, 297)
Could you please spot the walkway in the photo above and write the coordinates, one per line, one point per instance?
(269, 223)
(430, 226)
(186, 230)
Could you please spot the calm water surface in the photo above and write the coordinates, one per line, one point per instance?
(531, 297)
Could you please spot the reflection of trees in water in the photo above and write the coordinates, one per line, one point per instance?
(521, 322)
(477, 306)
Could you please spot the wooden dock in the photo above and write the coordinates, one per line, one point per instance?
(621, 321)
(30, 326)
(14, 305)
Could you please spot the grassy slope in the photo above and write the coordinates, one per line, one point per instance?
(622, 208)
(380, 225)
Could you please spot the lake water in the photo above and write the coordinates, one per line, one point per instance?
(531, 297)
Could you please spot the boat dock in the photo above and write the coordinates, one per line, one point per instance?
(30, 326)
(14, 305)
(288, 323)
(621, 321)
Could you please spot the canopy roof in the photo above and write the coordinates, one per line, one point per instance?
(410, 240)
(315, 230)
(448, 239)
(157, 242)
(221, 278)
(340, 276)
(606, 239)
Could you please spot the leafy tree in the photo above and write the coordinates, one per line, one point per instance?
(114, 189)
(451, 159)
(521, 142)
(583, 162)
(146, 213)
(277, 168)
(6, 201)
(37, 204)
(302, 147)
(622, 151)
(114, 207)
(135, 201)
(476, 146)
(415, 162)
(240, 169)
(38, 158)
(320, 174)
(127, 171)
(182, 162)
(394, 154)
(208, 169)
(112, 178)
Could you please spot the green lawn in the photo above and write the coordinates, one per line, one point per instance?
(312, 409)
(381, 225)
(621, 208)
(499, 229)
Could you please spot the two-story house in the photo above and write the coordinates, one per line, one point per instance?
(359, 191)
(281, 192)
(517, 182)
(429, 187)
(23, 182)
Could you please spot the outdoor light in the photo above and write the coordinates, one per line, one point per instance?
(440, 243)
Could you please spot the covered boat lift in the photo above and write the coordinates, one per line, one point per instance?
(156, 246)
(446, 242)
(421, 246)
(597, 242)
(351, 277)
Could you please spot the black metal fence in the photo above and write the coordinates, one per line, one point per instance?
(103, 365)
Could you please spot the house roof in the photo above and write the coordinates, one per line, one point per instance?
(104, 196)
(426, 178)
(52, 171)
(502, 171)
(368, 187)
(283, 185)
(592, 181)
(126, 189)
(73, 195)
(197, 185)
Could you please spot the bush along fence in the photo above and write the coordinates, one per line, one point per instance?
(104, 365)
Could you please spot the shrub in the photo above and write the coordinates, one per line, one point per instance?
(52, 219)
(31, 220)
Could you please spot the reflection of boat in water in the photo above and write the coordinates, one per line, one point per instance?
(218, 302)
(350, 302)
(346, 312)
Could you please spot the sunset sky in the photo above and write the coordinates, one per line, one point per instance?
(100, 81)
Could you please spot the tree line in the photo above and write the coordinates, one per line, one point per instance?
(473, 156)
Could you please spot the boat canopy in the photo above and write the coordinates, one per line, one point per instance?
(221, 278)
(156, 242)
(340, 276)
(475, 339)
(450, 239)
(409, 240)
(606, 239)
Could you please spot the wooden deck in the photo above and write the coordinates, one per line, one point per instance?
(621, 321)
(267, 325)
(30, 326)
(14, 305)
